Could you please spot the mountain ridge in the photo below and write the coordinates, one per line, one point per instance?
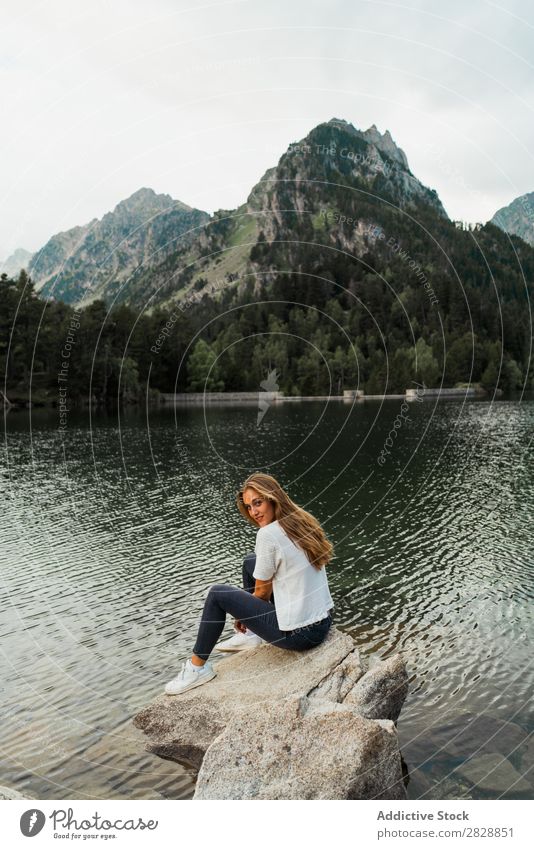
(152, 250)
(18, 260)
(341, 270)
(333, 156)
(95, 260)
(517, 218)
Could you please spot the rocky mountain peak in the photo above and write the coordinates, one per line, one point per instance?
(98, 258)
(339, 152)
(19, 259)
(382, 141)
(145, 202)
(385, 143)
(362, 175)
(518, 218)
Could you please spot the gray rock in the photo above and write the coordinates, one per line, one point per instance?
(381, 692)
(288, 752)
(494, 774)
(341, 679)
(449, 788)
(527, 755)
(275, 724)
(8, 793)
(182, 727)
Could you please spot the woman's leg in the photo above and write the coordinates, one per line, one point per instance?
(255, 613)
(249, 563)
(223, 599)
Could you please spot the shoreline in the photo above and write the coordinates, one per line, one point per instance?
(166, 400)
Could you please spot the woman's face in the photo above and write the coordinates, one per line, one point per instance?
(261, 510)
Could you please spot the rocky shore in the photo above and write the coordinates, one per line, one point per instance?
(275, 724)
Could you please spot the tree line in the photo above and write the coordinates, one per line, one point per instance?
(323, 330)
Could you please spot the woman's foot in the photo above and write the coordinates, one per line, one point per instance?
(190, 676)
(240, 642)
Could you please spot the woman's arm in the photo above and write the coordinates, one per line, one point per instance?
(263, 589)
(265, 563)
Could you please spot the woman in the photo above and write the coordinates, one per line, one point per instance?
(291, 552)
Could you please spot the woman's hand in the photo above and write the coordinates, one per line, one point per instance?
(238, 626)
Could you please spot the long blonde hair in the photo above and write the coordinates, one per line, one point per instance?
(300, 526)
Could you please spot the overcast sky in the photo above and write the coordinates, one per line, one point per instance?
(198, 99)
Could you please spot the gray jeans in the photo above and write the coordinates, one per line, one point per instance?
(256, 613)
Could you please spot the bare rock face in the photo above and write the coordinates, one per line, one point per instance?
(381, 692)
(276, 724)
(290, 752)
(8, 793)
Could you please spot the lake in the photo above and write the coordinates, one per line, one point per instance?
(112, 536)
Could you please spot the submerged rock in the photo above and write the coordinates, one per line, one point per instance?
(463, 735)
(494, 774)
(276, 724)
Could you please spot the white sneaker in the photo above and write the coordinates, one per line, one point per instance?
(189, 677)
(240, 642)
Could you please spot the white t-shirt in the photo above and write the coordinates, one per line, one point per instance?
(301, 592)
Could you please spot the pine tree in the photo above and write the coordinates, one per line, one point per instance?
(202, 369)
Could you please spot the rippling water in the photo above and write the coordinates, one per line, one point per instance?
(111, 538)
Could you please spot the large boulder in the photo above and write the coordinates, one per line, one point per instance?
(182, 727)
(276, 724)
(291, 751)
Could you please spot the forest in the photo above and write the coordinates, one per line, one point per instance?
(370, 325)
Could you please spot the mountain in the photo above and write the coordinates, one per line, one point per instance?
(361, 175)
(152, 249)
(18, 260)
(98, 259)
(518, 218)
(341, 270)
